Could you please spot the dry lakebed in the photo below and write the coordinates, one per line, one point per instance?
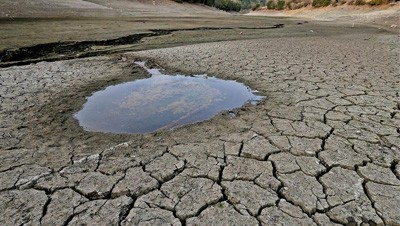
(322, 147)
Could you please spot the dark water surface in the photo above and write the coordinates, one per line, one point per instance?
(161, 102)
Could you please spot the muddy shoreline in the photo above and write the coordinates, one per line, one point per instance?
(72, 50)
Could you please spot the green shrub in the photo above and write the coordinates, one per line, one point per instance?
(376, 2)
(296, 5)
(326, 2)
(271, 4)
(210, 2)
(256, 6)
(359, 2)
(321, 3)
(227, 5)
(280, 5)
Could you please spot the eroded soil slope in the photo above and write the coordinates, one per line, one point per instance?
(100, 8)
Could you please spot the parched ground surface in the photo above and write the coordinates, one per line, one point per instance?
(321, 149)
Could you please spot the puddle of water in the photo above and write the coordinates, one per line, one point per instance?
(161, 102)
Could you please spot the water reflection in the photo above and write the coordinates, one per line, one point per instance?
(161, 102)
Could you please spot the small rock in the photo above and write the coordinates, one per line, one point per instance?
(180, 165)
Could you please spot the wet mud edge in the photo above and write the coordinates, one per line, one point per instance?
(55, 121)
(73, 50)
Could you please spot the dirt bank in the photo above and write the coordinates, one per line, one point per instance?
(385, 16)
(101, 8)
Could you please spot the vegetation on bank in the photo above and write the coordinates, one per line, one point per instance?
(296, 4)
(237, 5)
(227, 5)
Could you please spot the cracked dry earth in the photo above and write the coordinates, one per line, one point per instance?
(322, 149)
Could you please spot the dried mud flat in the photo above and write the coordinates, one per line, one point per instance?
(322, 149)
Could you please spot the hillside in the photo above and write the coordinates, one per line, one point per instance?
(102, 8)
(385, 16)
